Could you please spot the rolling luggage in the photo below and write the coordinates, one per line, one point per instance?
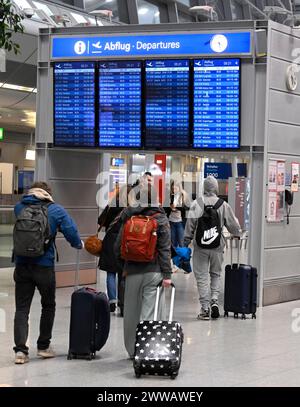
(240, 288)
(90, 321)
(158, 345)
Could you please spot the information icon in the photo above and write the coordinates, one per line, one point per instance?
(80, 47)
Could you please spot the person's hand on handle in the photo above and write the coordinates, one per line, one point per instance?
(167, 283)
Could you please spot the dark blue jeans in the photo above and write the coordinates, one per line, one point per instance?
(111, 287)
(28, 277)
(177, 234)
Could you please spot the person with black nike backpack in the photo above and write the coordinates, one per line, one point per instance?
(38, 218)
(206, 219)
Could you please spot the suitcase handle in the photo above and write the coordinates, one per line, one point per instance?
(158, 289)
(232, 238)
(77, 270)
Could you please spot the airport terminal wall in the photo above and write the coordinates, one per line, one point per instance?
(266, 108)
(280, 252)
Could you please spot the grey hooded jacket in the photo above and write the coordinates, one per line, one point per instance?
(225, 212)
(162, 263)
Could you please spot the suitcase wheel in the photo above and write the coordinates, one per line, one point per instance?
(137, 374)
(70, 356)
(174, 375)
(254, 316)
(243, 316)
(226, 314)
(235, 315)
(91, 356)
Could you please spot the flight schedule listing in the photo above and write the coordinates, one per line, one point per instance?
(217, 103)
(167, 104)
(74, 104)
(120, 93)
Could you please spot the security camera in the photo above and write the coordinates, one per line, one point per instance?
(204, 13)
(28, 12)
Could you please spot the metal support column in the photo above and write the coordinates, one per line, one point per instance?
(172, 13)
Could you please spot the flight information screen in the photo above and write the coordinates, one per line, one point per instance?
(120, 91)
(167, 104)
(74, 104)
(217, 103)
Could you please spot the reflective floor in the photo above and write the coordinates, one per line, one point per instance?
(6, 243)
(227, 352)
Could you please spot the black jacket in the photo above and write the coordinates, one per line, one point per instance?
(108, 215)
(108, 218)
(183, 209)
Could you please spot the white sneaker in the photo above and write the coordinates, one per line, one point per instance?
(175, 269)
(21, 358)
(46, 353)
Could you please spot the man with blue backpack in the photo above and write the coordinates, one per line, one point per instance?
(38, 219)
(206, 219)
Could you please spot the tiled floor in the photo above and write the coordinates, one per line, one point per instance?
(227, 352)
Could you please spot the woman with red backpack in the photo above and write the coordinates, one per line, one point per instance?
(144, 245)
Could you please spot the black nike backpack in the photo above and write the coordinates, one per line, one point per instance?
(209, 230)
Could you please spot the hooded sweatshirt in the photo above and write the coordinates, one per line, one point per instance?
(225, 212)
(59, 220)
(162, 263)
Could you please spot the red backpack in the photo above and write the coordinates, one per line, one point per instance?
(139, 239)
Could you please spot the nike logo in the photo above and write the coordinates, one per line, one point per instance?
(207, 242)
(209, 236)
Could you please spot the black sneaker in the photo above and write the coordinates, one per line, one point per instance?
(112, 307)
(204, 315)
(215, 313)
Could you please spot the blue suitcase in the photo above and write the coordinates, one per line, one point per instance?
(240, 288)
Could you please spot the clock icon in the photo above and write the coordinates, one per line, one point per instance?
(292, 77)
(219, 43)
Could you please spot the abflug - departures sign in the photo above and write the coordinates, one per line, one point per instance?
(234, 43)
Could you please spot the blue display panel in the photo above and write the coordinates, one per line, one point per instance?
(120, 93)
(74, 104)
(154, 45)
(217, 103)
(167, 104)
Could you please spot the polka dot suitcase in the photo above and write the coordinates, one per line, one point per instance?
(158, 346)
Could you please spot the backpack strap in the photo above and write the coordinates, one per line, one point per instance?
(47, 204)
(218, 204)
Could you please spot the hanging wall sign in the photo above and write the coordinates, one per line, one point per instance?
(276, 188)
(218, 170)
(295, 177)
(280, 176)
(145, 45)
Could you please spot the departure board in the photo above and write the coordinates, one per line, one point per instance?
(167, 104)
(120, 103)
(74, 104)
(217, 103)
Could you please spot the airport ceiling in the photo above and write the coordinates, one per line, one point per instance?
(17, 107)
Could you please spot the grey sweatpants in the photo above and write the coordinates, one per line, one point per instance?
(139, 304)
(205, 263)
